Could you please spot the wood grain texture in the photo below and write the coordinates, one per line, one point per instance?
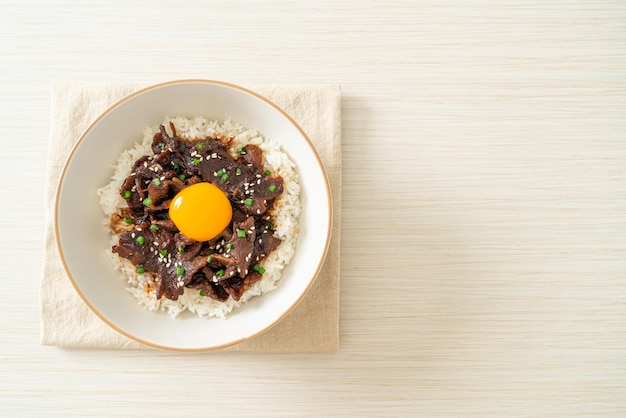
(484, 204)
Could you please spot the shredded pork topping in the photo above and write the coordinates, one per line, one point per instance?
(223, 267)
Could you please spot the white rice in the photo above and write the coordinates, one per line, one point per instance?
(286, 215)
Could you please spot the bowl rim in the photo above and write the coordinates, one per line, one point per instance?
(108, 110)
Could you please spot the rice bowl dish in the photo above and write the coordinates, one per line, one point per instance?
(82, 235)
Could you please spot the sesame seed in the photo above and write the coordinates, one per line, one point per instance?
(132, 235)
(139, 228)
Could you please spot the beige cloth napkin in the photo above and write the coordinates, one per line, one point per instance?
(312, 327)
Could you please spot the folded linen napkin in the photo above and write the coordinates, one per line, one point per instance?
(312, 327)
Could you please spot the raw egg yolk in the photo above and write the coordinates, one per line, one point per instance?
(201, 211)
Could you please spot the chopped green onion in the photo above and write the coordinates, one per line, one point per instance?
(126, 194)
(238, 171)
(196, 161)
(240, 150)
(225, 176)
(241, 233)
(209, 259)
(269, 226)
(182, 177)
(140, 240)
(128, 220)
(267, 172)
(221, 173)
(219, 273)
(181, 249)
(202, 293)
(147, 201)
(141, 270)
(162, 146)
(248, 202)
(157, 182)
(180, 271)
(163, 253)
(258, 269)
(176, 167)
(154, 227)
(229, 246)
(272, 188)
(199, 146)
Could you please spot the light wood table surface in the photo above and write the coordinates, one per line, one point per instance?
(484, 204)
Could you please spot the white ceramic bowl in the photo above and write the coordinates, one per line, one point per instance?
(82, 240)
